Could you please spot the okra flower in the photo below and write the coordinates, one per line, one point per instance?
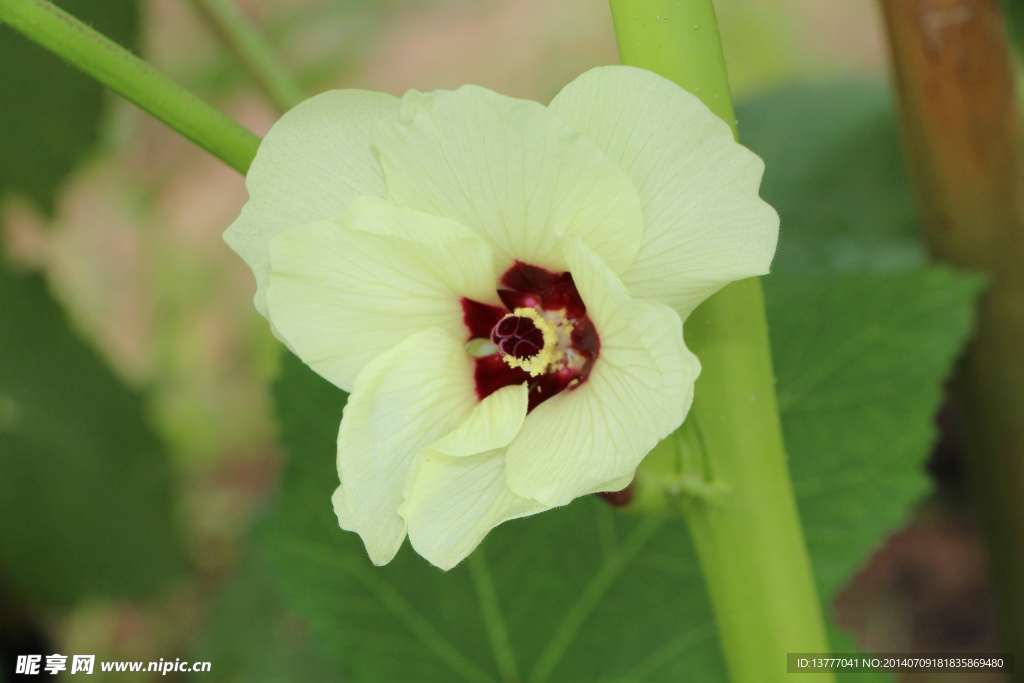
(500, 285)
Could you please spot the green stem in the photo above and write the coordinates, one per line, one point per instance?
(252, 51)
(132, 78)
(730, 477)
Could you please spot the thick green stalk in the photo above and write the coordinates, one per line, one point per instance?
(733, 485)
(252, 51)
(132, 78)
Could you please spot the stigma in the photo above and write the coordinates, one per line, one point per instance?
(526, 340)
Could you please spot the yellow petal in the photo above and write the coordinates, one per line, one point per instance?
(512, 171)
(705, 225)
(342, 292)
(493, 424)
(314, 161)
(403, 400)
(457, 501)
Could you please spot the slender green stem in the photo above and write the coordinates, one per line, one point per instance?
(132, 78)
(733, 485)
(252, 51)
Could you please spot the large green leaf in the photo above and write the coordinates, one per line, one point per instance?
(85, 502)
(860, 360)
(50, 113)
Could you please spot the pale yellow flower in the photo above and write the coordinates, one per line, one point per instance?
(500, 285)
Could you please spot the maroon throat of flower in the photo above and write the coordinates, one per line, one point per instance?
(542, 336)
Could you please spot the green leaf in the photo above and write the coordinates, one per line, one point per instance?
(859, 386)
(834, 171)
(85, 500)
(51, 112)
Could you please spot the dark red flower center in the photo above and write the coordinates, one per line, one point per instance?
(553, 298)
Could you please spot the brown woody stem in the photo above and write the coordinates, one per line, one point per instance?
(963, 135)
